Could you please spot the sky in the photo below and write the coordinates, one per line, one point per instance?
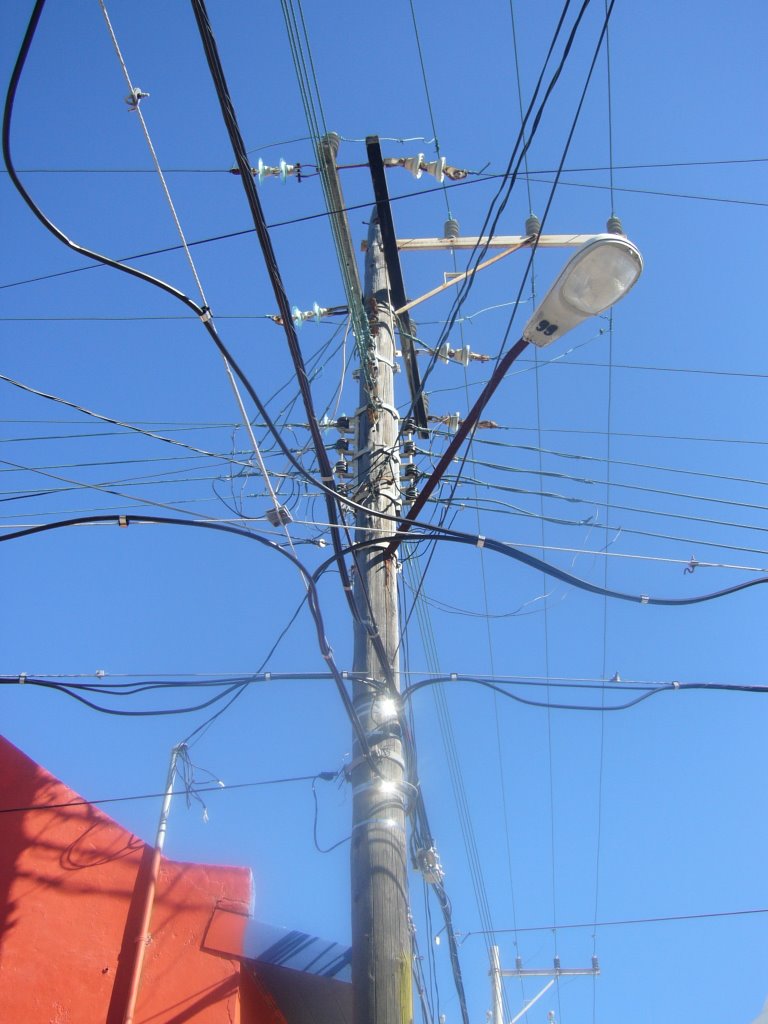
(630, 454)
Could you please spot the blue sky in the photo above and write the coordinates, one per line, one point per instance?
(632, 446)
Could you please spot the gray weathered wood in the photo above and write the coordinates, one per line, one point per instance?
(381, 940)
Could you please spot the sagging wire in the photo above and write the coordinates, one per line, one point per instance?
(218, 788)
(254, 203)
(312, 596)
(134, 100)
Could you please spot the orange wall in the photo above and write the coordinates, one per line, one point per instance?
(71, 881)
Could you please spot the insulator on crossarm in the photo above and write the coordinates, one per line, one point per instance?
(413, 164)
(437, 169)
(451, 228)
(533, 225)
(614, 226)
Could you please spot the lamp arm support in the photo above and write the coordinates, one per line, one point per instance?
(449, 454)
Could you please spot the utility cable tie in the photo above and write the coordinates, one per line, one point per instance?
(481, 541)
(22, 678)
(389, 823)
(122, 521)
(205, 315)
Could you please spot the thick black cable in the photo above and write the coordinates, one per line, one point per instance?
(312, 596)
(510, 551)
(642, 691)
(205, 316)
(509, 178)
(202, 313)
(504, 692)
(254, 204)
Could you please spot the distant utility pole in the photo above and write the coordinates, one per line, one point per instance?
(381, 932)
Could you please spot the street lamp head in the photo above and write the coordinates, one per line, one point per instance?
(598, 274)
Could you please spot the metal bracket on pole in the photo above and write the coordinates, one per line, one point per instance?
(530, 1002)
(490, 242)
(456, 278)
(397, 288)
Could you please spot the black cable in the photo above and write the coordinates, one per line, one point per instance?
(509, 179)
(508, 550)
(254, 203)
(631, 921)
(203, 313)
(218, 788)
(70, 691)
(334, 846)
(312, 596)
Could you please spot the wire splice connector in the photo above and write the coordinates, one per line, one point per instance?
(134, 97)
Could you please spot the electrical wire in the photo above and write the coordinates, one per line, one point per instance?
(622, 922)
(254, 203)
(312, 596)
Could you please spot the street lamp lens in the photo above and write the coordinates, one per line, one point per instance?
(594, 278)
(601, 278)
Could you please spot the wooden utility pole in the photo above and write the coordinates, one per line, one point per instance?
(381, 934)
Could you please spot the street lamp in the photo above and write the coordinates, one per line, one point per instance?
(598, 274)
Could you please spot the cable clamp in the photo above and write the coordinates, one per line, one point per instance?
(675, 684)
(122, 521)
(135, 96)
(389, 823)
(644, 599)
(481, 541)
(267, 677)
(22, 678)
(205, 315)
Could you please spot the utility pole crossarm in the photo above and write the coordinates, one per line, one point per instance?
(491, 242)
(328, 147)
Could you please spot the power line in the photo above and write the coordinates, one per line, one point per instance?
(628, 921)
(220, 787)
(657, 165)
